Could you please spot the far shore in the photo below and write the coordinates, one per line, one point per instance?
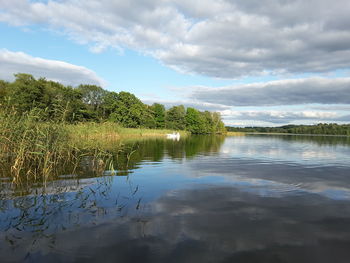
(280, 133)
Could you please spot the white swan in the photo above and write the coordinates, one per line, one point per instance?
(174, 136)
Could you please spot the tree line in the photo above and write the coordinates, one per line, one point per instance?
(93, 103)
(321, 128)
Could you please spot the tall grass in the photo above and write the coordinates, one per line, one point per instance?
(112, 131)
(235, 134)
(32, 150)
(29, 148)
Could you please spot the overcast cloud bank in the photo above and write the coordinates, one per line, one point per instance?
(281, 92)
(283, 117)
(224, 38)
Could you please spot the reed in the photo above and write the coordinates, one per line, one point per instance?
(235, 133)
(32, 149)
(112, 132)
(35, 150)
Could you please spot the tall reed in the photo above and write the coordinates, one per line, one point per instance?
(32, 149)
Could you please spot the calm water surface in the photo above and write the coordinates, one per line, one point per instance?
(202, 199)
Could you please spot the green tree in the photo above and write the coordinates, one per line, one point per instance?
(218, 124)
(109, 104)
(209, 125)
(130, 111)
(66, 103)
(93, 97)
(26, 93)
(159, 115)
(195, 121)
(90, 103)
(175, 118)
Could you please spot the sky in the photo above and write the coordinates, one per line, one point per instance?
(258, 63)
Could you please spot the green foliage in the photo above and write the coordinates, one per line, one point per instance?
(203, 122)
(26, 92)
(29, 147)
(319, 129)
(109, 104)
(175, 118)
(131, 112)
(57, 102)
(159, 115)
(3, 92)
(65, 103)
(195, 121)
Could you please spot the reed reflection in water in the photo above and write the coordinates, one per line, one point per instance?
(203, 199)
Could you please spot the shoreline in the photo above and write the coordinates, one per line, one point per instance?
(298, 134)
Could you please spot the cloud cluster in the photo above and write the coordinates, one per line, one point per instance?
(317, 100)
(282, 117)
(65, 73)
(224, 38)
(281, 92)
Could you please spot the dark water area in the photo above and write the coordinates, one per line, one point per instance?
(255, 198)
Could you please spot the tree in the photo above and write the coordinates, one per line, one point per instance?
(195, 122)
(159, 115)
(218, 125)
(209, 125)
(175, 118)
(92, 95)
(26, 93)
(66, 103)
(130, 111)
(109, 104)
(58, 102)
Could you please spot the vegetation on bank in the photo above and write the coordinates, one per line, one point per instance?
(48, 129)
(235, 133)
(104, 135)
(91, 103)
(321, 129)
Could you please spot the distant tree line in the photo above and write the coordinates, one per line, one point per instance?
(321, 128)
(93, 103)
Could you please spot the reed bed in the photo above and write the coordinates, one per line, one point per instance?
(235, 133)
(35, 150)
(112, 131)
(32, 150)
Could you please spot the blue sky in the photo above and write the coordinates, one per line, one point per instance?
(257, 63)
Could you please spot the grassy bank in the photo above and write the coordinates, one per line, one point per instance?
(111, 131)
(109, 136)
(34, 150)
(235, 134)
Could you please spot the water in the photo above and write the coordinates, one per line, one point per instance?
(203, 199)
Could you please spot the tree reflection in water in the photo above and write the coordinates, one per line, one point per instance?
(203, 199)
(32, 213)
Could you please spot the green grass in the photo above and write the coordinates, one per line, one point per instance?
(29, 149)
(34, 150)
(102, 133)
(235, 133)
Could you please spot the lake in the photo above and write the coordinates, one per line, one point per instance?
(256, 198)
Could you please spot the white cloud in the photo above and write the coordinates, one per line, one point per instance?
(65, 73)
(222, 38)
(279, 117)
(281, 92)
